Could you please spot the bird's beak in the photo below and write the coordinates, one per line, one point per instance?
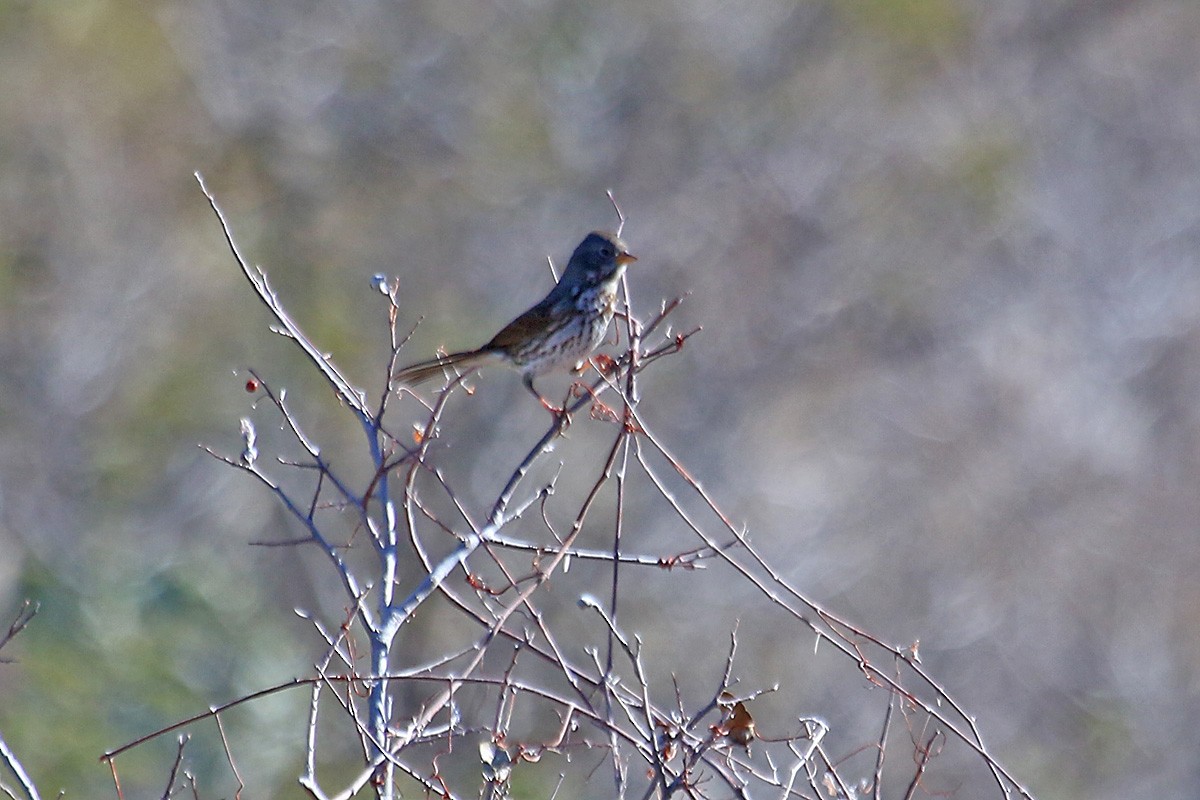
(625, 258)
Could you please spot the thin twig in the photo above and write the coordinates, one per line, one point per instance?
(10, 760)
(353, 397)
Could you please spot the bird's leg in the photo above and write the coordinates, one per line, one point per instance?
(546, 404)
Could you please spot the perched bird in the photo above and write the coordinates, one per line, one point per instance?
(560, 331)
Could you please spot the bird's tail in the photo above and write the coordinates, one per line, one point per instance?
(443, 366)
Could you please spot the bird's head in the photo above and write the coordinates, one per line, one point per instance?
(601, 257)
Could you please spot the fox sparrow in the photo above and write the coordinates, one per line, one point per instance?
(560, 331)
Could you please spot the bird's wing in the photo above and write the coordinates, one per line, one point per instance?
(517, 333)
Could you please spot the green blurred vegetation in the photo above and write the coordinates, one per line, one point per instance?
(943, 253)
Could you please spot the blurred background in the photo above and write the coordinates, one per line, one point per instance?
(944, 256)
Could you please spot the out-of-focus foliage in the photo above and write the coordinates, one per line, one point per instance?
(944, 252)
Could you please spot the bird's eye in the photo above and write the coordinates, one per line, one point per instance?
(606, 252)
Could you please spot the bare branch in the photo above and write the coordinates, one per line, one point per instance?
(24, 782)
(352, 397)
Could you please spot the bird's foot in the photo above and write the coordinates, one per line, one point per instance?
(604, 363)
(561, 415)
